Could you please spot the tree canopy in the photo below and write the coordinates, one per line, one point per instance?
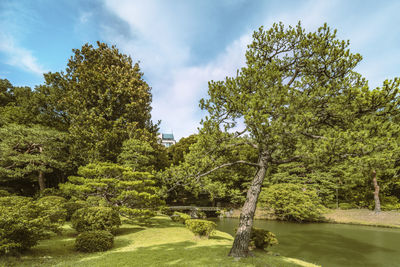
(104, 97)
(297, 95)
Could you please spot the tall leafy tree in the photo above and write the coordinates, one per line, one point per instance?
(104, 97)
(298, 92)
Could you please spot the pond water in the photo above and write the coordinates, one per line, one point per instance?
(330, 244)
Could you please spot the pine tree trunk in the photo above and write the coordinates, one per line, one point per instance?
(376, 193)
(42, 184)
(240, 247)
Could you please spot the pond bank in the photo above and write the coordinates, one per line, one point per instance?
(364, 217)
(352, 216)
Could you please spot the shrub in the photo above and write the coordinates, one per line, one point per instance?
(292, 202)
(346, 206)
(54, 207)
(166, 210)
(22, 224)
(51, 192)
(4, 193)
(96, 218)
(261, 238)
(180, 217)
(93, 241)
(201, 227)
(73, 205)
(96, 201)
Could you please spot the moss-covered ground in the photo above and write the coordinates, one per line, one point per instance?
(162, 243)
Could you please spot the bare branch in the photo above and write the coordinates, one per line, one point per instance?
(293, 78)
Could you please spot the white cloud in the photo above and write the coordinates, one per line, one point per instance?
(159, 43)
(19, 56)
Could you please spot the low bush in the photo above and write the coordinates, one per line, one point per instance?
(4, 193)
(51, 192)
(292, 202)
(346, 206)
(73, 205)
(23, 223)
(388, 207)
(96, 201)
(93, 241)
(180, 217)
(166, 210)
(96, 218)
(261, 238)
(54, 207)
(202, 228)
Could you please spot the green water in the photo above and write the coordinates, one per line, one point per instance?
(330, 244)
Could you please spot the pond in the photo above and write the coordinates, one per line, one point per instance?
(330, 244)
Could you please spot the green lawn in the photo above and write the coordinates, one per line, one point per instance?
(164, 243)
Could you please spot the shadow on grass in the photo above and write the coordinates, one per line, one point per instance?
(181, 253)
(126, 230)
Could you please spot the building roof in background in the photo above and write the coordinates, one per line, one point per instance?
(168, 136)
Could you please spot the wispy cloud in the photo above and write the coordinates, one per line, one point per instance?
(18, 56)
(159, 40)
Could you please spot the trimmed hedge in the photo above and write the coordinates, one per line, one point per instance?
(202, 228)
(93, 241)
(96, 218)
(180, 217)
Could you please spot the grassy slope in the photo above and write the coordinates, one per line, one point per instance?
(163, 244)
(365, 217)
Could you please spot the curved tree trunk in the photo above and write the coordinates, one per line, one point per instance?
(376, 193)
(240, 247)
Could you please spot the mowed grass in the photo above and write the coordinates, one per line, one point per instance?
(163, 243)
(365, 217)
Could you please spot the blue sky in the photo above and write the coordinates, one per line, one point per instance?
(182, 44)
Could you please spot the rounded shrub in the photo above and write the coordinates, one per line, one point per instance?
(73, 205)
(292, 202)
(96, 218)
(93, 241)
(261, 238)
(180, 217)
(54, 207)
(202, 228)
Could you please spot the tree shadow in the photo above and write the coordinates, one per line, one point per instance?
(185, 253)
(126, 230)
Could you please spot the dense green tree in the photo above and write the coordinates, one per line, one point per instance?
(297, 95)
(137, 155)
(134, 194)
(192, 181)
(104, 97)
(177, 152)
(17, 104)
(28, 153)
